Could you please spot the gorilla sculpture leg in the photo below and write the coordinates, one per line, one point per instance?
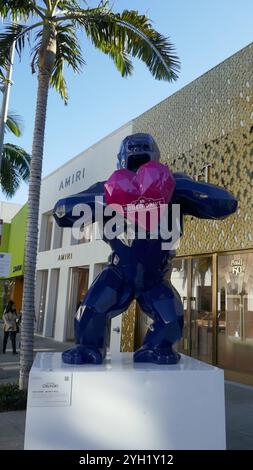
(157, 345)
(106, 298)
(164, 305)
(90, 335)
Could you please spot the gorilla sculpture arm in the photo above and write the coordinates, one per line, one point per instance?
(63, 210)
(202, 200)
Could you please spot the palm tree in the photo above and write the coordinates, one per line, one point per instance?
(56, 27)
(15, 164)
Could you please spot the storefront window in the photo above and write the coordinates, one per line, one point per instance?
(201, 309)
(49, 231)
(46, 231)
(79, 287)
(235, 312)
(42, 277)
(179, 280)
(193, 279)
(55, 274)
(85, 235)
(58, 235)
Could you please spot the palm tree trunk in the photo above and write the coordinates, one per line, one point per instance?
(28, 307)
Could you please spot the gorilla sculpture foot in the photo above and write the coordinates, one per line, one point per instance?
(80, 354)
(157, 355)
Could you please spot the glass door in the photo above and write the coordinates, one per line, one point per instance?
(42, 281)
(193, 280)
(201, 316)
(180, 281)
(235, 312)
(79, 287)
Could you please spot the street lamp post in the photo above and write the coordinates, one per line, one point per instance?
(5, 102)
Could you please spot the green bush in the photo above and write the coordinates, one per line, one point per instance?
(11, 398)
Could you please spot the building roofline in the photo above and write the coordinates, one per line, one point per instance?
(10, 203)
(195, 80)
(91, 147)
(21, 208)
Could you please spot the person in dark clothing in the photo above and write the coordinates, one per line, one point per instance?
(10, 318)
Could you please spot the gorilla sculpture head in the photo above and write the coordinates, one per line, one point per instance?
(137, 149)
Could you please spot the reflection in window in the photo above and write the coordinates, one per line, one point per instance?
(49, 233)
(78, 289)
(42, 279)
(235, 311)
(179, 279)
(85, 235)
(58, 235)
(180, 282)
(201, 309)
(46, 231)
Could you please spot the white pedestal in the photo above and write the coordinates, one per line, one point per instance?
(121, 405)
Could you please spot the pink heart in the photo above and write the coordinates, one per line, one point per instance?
(144, 191)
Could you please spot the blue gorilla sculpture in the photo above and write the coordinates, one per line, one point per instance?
(138, 268)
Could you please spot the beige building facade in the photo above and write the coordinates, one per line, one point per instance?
(206, 131)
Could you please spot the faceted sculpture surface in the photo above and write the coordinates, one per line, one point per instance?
(138, 268)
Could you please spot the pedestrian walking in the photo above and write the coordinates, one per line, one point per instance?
(10, 326)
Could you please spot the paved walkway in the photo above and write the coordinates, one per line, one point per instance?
(239, 416)
(12, 423)
(12, 430)
(9, 364)
(239, 405)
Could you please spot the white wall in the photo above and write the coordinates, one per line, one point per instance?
(96, 163)
(99, 161)
(8, 210)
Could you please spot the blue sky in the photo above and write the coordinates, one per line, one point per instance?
(204, 32)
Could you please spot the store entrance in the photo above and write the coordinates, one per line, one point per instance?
(79, 286)
(235, 312)
(201, 320)
(217, 295)
(192, 278)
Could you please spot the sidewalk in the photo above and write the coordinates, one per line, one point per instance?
(239, 416)
(9, 364)
(239, 405)
(12, 423)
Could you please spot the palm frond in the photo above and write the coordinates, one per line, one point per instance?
(68, 52)
(128, 34)
(15, 169)
(69, 5)
(2, 79)
(12, 32)
(154, 49)
(14, 124)
(96, 28)
(17, 9)
(110, 44)
(57, 80)
(68, 47)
